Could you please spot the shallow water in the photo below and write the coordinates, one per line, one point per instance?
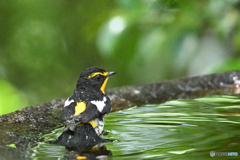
(182, 129)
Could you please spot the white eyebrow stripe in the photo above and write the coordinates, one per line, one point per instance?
(68, 102)
(100, 104)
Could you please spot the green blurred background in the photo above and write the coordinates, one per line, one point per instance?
(45, 44)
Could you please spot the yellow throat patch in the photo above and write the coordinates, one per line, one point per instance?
(104, 85)
(80, 107)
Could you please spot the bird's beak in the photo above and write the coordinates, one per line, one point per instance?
(110, 74)
(105, 81)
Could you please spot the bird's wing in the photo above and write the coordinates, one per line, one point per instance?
(68, 109)
(75, 113)
(91, 112)
(94, 109)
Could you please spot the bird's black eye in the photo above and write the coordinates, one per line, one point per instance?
(98, 77)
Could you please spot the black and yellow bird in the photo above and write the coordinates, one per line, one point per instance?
(88, 103)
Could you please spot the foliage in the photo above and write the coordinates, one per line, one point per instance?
(44, 45)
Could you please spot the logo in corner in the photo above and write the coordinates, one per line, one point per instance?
(212, 153)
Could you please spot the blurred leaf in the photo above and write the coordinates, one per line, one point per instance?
(10, 98)
(109, 35)
(229, 65)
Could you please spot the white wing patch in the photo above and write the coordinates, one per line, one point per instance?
(100, 104)
(68, 102)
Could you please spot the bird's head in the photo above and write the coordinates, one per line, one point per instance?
(95, 78)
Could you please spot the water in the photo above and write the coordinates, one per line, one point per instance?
(182, 129)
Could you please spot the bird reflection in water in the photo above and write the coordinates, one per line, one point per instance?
(83, 143)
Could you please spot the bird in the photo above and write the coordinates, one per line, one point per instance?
(88, 103)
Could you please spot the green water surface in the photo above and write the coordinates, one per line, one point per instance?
(182, 129)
